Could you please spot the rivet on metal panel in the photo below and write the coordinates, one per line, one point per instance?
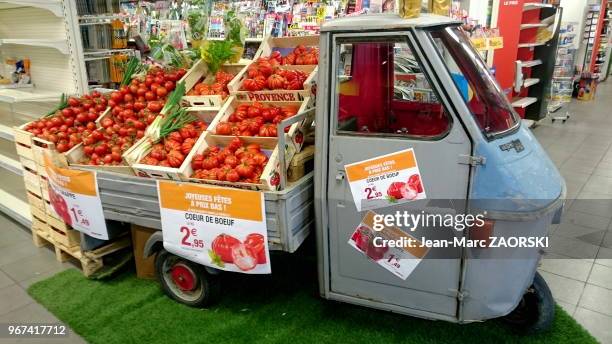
(338, 157)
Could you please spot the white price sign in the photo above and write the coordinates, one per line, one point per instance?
(75, 198)
(401, 261)
(385, 180)
(223, 228)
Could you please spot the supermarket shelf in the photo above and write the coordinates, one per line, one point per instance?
(60, 45)
(10, 165)
(16, 208)
(531, 45)
(6, 133)
(54, 6)
(30, 95)
(528, 6)
(530, 64)
(530, 82)
(532, 25)
(523, 102)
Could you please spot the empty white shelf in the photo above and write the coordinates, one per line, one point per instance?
(6, 133)
(530, 82)
(55, 6)
(532, 25)
(535, 5)
(60, 45)
(10, 164)
(523, 102)
(28, 95)
(533, 63)
(530, 45)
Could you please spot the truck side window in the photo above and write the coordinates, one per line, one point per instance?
(381, 89)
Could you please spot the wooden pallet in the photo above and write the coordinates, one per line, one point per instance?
(91, 261)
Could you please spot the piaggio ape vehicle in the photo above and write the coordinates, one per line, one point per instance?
(387, 84)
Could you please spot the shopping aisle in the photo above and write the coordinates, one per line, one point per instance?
(582, 149)
(22, 264)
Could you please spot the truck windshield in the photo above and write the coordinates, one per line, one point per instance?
(472, 77)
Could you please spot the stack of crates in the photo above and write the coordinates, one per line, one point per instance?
(47, 225)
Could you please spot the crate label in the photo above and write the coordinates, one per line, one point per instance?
(370, 240)
(74, 196)
(224, 228)
(385, 180)
(270, 97)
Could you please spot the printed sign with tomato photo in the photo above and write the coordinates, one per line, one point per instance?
(224, 228)
(74, 196)
(401, 261)
(385, 180)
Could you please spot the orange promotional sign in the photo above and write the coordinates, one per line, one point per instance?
(75, 199)
(385, 180)
(220, 227)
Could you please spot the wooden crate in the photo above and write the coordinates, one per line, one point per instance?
(198, 72)
(206, 114)
(41, 147)
(75, 156)
(295, 136)
(35, 201)
(62, 233)
(23, 142)
(29, 163)
(301, 164)
(31, 181)
(235, 87)
(284, 45)
(41, 214)
(270, 178)
(44, 187)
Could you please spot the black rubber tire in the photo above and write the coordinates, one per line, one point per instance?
(207, 285)
(536, 311)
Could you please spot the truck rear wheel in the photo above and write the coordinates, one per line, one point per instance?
(536, 310)
(185, 281)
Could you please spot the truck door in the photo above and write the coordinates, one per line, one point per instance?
(386, 100)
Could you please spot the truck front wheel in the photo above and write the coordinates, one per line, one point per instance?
(536, 310)
(185, 281)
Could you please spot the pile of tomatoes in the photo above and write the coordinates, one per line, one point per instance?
(105, 146)
(234, 163)
(142, 100)
(265, 73)
(300, 55)
(218, 87)
(66, 127)
(256, 119)
(175, 147)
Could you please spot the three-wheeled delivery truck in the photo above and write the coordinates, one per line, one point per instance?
(400, 96)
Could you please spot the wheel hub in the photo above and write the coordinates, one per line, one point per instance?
(183, 277)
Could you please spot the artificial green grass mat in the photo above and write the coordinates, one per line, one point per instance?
(280, 308)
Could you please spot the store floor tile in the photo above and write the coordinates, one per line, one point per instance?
(597, 299)
(564, 289)
(596, 323)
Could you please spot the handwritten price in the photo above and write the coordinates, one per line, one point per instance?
(190, 238)
(78, 216)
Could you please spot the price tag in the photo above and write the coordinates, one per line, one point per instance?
(223, 228)
(386, 180)
(75, 198)
(400, 259)
(479, 43)
(496, 42)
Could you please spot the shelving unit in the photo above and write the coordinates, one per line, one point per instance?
(564, 73)
(45, 32)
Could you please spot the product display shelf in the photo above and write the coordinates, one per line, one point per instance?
(42, 31)
(54, 6)
(564, 74)
(538, 39)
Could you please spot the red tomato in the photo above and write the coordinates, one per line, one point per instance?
(415, 183)
(150, 95)
(245, 170)
(255, 242)
(73, 101)
(154, 106)
(243, 257)
(223, 128)
(161, 92)
(222, 247)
